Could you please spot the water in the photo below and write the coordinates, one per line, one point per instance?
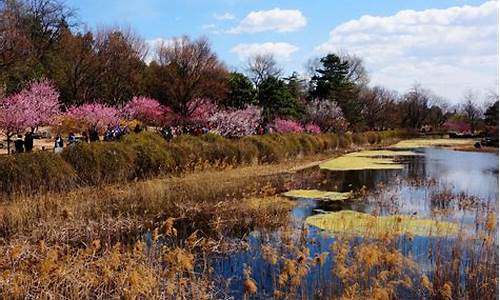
(414, 190)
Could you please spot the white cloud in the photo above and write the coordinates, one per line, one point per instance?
(208, 26)
(224, 17)
(281, 20)
(279, 50)
(447, 50)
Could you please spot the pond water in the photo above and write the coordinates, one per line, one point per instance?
(420, 189)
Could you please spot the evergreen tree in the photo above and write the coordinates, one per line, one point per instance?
(332, 81)
(241, 91)
(277, 100)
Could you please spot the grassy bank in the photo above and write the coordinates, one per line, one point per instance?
(147, 155)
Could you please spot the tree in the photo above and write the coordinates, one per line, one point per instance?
(75, 69)
(296, 86)
(237, 122)
(147, 110)
(94, 115)
(241, 91)
(326, 114)
(335, 81)
(29, 31)
(414, 107)
(491, 114)
(471, 110)
(34, 106)
(277, 101)
(261, 67)
(285, 126)
(187, 69)
(379, 107)
(119, 54)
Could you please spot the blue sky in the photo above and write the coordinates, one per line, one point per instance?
(297, 30)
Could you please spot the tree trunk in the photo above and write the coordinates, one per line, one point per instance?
(8, 143)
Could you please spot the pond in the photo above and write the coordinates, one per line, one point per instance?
(439, 185)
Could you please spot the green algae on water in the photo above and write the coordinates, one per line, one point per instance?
(423, 143)
(366, 160)
(317, 194)
(360, 224)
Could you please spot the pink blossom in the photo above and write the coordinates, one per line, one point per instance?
(236, 123)
(286, 126)
(312, 128)
(326, 114)
(201, 109)
(457, 126)
(34, 106)
(95, 115)
(146, 110)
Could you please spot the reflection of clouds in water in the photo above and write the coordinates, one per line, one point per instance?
(468, 172)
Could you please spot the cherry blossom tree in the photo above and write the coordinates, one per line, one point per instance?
(147, 110)
(34, 106)
(312, 128)
(94, 115)
(236, 122)
(285, 126)
(200, 110)
(326, 114)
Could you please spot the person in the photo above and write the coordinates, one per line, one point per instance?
(93, 135)
(137, 128)
(28, 141)
(108, 134)
(85, 137)
(59, 144)
(71, 139)
(19, 144)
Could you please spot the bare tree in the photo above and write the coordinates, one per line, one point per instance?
(414, 106)
(379, 107)
(262, 66)
(357, 71)
(188, 69)
(471, 109)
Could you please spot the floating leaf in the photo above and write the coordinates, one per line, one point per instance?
(316, 194)
(366, 160)
(361, 224)
(423, 143)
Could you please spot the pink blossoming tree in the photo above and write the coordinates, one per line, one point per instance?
(34, 106)
(312, 128)
(200, 110)
(285, 126)
(147, 110)
(94, 115)
(236, 123)
(327, 115)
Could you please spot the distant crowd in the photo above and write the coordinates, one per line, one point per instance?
(112, 133)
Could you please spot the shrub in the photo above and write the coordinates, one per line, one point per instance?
(98, 163)
(345, 141)
(151, 154)
(359, 139)
(29, 173)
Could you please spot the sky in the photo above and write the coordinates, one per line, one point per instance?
(448, 46)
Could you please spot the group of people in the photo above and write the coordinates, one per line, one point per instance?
(172, 131)
(112, 133)
(24, 145)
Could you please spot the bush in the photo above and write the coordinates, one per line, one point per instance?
(147, 154)
(29, 173)
(99, 163)
(151, 154)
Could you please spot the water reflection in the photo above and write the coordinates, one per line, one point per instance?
(467, 173)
